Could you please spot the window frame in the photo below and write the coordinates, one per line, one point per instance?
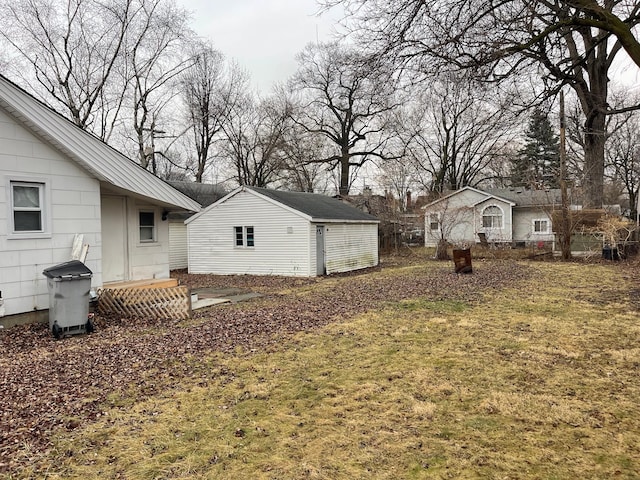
(540, 220)
(244, 236)
(436, 222)
(493, 217)
(154, 226)
(44, 198)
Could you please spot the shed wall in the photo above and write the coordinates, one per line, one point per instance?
(282, 239)
(350, 246)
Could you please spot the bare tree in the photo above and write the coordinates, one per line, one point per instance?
(457, 131)
(303, 172)
(255, 139)
(398, 177)
(345, 99)
(156, 59)
(212, 90)
(566, 43)
(72, 48)
(623, 156)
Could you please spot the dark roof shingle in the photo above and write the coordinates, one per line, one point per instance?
(318, 207)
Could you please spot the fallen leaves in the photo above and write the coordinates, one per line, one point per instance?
(48, 385)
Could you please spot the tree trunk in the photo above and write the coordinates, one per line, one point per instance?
(594, 142)
(344, 173)
(441, 250)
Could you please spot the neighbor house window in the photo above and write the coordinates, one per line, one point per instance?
(27, 200)
(434, 222)
(243, 237)
(147, 227)
(541, 226)
(492, 217)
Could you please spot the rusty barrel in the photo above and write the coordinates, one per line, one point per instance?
(462, 260)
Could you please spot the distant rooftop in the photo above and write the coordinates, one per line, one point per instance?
(523, 197)
(203, 193)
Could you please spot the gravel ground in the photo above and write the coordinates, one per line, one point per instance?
(47, 386)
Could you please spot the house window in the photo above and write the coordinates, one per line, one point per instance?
(492, 217)
(147, 227)
(244, 236)
(27, 205)
(434, 222)
(541, 226)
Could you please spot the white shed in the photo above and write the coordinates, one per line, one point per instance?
(260, 231)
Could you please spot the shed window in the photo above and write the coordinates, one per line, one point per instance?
(492, 217)
(244, 236)
(147, 227)
(27, 204)
(541, 226)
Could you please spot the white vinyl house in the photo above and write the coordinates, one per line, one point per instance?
(260, 231)
(507, 215)
(58, 181)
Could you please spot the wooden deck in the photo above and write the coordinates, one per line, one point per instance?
(143, 284)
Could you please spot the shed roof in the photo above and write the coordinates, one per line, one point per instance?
(317, 207)
(312, 206)
(100, 160)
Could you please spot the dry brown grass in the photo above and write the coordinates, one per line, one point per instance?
(536, 381)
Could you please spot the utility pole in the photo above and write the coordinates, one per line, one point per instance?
(565, 228)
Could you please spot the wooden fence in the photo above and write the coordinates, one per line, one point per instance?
(174, 302)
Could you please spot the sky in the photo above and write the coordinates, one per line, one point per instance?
(262, 36)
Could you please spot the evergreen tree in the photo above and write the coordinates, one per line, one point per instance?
(537, 164)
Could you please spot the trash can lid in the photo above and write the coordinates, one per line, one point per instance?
(73, 268)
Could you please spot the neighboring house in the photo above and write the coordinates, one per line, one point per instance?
(268, 232)
(508, 215)
(203, 193)
(56, 181)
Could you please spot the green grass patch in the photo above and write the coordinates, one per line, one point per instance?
(538, 381)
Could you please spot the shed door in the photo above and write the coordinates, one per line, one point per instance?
(114, 239)
(320, 260)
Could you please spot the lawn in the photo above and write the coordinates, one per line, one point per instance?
(519, 370)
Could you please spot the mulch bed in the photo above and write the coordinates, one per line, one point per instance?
(49, 386)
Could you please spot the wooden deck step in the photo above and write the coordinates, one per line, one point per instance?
(143, 284)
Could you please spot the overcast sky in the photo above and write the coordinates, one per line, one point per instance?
(263, 36)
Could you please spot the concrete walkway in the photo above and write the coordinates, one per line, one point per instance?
(207, 297)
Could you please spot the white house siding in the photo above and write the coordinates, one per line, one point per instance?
(458, 220)
(281, 239)
(500, 235)
(178, 252)
(523, 225)
(349, 246)
(147, 260)
(72, 205)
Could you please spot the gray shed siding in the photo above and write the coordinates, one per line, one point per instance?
(282, 239)
(350, 246)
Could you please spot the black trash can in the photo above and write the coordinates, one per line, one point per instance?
(610, 253)
(69, 287)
